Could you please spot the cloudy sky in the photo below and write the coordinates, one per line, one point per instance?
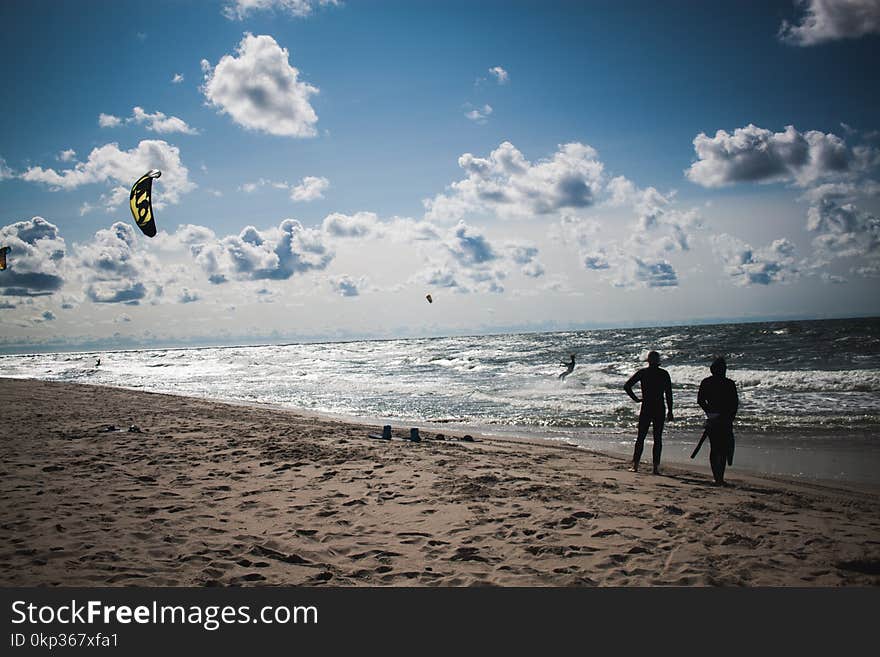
(531, 165)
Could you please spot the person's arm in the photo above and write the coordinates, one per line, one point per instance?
(735, 402)
(628, 386)
(668, 397)
(701, 397)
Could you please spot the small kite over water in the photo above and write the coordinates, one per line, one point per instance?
(3, 251)
(141, 202)
(428, 297)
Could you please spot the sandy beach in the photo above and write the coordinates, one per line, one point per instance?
(207, 493)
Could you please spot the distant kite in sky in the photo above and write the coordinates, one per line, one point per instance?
(3, 251)
(428, 297)
(141, 203)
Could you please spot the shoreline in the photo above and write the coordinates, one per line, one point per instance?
(617, 443)
(219, 493)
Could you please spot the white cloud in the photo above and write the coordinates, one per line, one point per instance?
(479, 114)
(843, 230)
(273, 254)
(240, 9)
(508, 185)
(5, 171)
(110, 164)
(830, 20)
(310, 188)
(465, 261)
(500, 74)
(67, 155)
(109, 121)
(113, 270)
(347, 286)
(177, 79)
(159, 122)
(35, 262)
(754, 154)
(260, 90)
(747, 266)
(359, 224)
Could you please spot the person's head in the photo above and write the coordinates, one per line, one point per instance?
(572, 356)
(653, 358)
(718, 367)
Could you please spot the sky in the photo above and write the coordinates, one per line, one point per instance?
(531, 165)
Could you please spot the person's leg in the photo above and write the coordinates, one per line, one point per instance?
(644, 423)
(717, 457)
(658, 439)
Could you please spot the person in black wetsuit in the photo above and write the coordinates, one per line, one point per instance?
(719, 398)
(656, 385)
(570, 366)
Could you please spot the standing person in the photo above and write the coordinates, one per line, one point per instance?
(719, 398)
(570, 366)
(656, 385)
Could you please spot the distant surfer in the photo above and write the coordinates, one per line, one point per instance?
(569, 368)
(719, 398)
(656, 385)
(98, 363)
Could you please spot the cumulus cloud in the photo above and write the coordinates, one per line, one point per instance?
(346, 286)
(479, 114)
(109, 164)
(830, 20)
(240, 9)
(359, 224)
(754, 154)
(114, 270)
(159, 122)
(310, 188)
(842, 229)
(5, 171)
(109, 121)
(177, 79)
(748, 266)
(500, 74)
(35, 260)
(658, 230)
(465, 261)
(526, 256)
(508, 185)
(67, 155)
(273, 254)
(260, 90)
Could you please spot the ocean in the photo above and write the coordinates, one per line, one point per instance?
(809, 390)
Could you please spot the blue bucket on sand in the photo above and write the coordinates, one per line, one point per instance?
(414, 435)
(386, 432)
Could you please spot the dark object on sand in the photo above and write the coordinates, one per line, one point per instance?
(467, 438)
(439, 436)
(700, 444)
(386, 433)
(134, 429)
(414, 435)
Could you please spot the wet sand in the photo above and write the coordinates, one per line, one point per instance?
(207, 493)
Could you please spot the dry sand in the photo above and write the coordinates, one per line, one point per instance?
(218, 494)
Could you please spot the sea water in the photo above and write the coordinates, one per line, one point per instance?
(809, 390)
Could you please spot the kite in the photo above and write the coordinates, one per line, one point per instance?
(141, 202)
(3, 251)
(428, 297)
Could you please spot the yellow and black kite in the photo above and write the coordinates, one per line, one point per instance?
(3, 251)
(141, 203)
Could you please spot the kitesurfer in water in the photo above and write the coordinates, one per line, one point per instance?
(98, 363)
(719, 398)
(656, 385)
(570, 366)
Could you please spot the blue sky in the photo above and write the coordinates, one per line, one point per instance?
(632, 222)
